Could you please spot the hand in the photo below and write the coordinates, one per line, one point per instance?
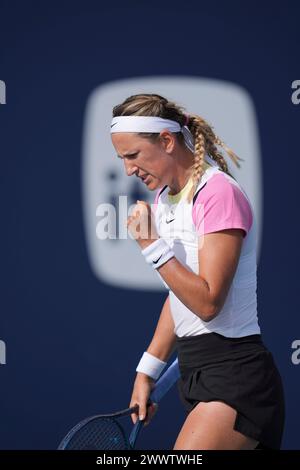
(141, 224)
(143, 386)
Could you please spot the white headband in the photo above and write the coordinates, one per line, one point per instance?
(151, 124)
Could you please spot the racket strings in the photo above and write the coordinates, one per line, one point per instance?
(99, 434)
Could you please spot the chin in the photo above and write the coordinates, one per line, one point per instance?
(153, 185)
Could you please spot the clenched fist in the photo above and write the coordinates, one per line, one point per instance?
(141, 224)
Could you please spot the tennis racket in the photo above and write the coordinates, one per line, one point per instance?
(105, 432)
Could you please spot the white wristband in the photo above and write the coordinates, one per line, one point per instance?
(158, 253)
(151, 365)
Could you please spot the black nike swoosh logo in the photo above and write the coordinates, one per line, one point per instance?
(169, 221)
(154, 262)
(113, 124)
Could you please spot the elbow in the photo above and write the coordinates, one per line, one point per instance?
(211, 307)
(209, 312)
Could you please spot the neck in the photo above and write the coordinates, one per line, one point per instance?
(179, 181)
(182, 172)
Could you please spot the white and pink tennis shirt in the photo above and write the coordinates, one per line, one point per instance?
(219, 203)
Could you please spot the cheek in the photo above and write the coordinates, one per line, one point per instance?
(164, 167)
(160, 163)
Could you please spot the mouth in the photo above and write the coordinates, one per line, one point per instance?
(145, 178)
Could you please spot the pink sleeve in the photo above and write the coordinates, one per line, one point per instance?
(221, 205)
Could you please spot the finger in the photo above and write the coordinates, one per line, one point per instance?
(151, 412)
(134, 416)
(142, 411)
(136, 213)
(151, 409)
(130, 219)
(142, 202)
(141, 206)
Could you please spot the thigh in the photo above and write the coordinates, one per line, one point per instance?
(209, 426)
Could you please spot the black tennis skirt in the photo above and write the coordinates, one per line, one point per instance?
(240, 372)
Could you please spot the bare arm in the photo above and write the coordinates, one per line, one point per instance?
(205, 293)
(162, 347)
(164, 339)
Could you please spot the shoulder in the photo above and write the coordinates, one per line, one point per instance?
(222, 187)
(223, 204)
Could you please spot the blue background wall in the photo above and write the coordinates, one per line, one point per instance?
(65, 357)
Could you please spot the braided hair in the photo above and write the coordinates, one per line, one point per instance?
(205, 140)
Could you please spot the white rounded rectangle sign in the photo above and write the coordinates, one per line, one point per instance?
(108, 192)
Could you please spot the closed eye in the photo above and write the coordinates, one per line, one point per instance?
(128, 156)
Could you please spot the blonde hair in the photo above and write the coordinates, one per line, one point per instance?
(205, 140)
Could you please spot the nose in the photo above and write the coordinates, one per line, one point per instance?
(130, 167)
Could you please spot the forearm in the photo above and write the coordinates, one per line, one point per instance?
(164, 339)
(191, 289)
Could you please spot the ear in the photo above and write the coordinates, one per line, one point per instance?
(167, 139)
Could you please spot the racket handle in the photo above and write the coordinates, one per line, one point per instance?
(161, 387)
(137, 427)
(165, 382)
(135, 432)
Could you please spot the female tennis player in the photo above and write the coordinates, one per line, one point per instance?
(200, 238)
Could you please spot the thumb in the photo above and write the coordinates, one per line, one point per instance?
(142, 202)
